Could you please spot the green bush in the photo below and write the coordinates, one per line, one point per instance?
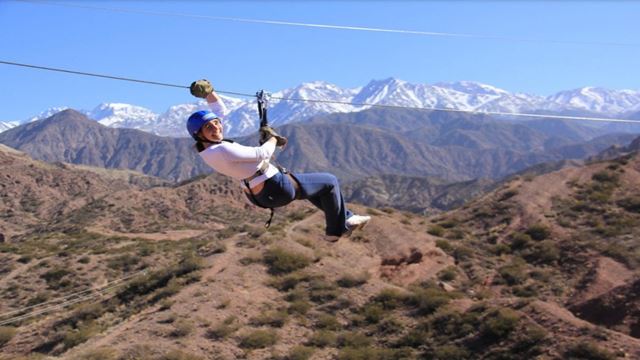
(6, 334)
(179, 355)
(97, 354)
(444, 245)
(182, 328)
(390, 298)
(605, 177)
(538, 232)
(500, 323)
(513, 273)
(373, 313)
(353, 339)
(328, 322)
(281, 261)
(448, 274)
(74, 337)
(300, 353)
(436, 230)
(350, 281)
(299, 307)
(462, 253)
(322, 291)
(126, 262)
(520, 241)
(370, 353)
(323, 338)
(545, 252)
(428, 300)
(221, 331)
(631, 204)
(258, 339)
(270, 318)
(587, 351)
(450, 352)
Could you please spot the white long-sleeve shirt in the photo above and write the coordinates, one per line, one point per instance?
(238, 161)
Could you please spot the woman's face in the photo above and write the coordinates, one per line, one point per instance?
(212, 130)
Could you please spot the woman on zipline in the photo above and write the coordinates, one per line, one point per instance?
(265, 184)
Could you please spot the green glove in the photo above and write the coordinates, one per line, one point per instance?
(201, 88)
(267, 132)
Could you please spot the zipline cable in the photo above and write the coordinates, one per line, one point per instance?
(73, 294)
(335, 27)
(498, 113)
(57, 306)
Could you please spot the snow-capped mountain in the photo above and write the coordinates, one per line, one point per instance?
(123, 115)
(325, 98)
(595, 99)
(6, 125)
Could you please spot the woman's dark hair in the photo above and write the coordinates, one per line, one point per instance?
(200, 146)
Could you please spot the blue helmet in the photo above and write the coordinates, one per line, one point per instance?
(197, 120)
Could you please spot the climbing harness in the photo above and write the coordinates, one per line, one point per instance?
(263, 99)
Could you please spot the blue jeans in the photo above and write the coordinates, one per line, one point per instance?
(321, 189)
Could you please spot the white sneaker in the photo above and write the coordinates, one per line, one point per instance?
(357, 222)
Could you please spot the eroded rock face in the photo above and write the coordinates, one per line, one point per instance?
(619, 308)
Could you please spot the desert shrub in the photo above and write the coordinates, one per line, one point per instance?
(373, 313)
(300, 353)
(456, 234)
(519, 241)
(436, 230)
(448, 274)
(450, 352)
(179, 355)
(289, 281)
(74, 337)
(158, 279)
(500, 249)
(270, 318)
(350, 281)
(84, 260)
(500, 323)
(508, 195)
(220, 332)
(587, 351)
(126, 262)
(538, 232)
(258, 339)
(462, 252)
(426, 301)
(525, 291)
(299, 307)
(84, 313)
(444, 245)
(371, 353)
(390, 298)
(353, 339)
(321, 291)
(390, 326)
(97, 354)
(55, 277)
(323, 338)
(6, 334)
(513, 273)
(545, 252)
(281, 261)
(328, 322)
(631, 204)
(605, 177)
(182, 328)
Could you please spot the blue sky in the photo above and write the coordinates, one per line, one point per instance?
(245, 57)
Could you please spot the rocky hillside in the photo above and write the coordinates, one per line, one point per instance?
(543, 267)
(422, 195)
(71, 137)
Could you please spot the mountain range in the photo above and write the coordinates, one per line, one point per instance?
(450, 146)
(463, 95)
